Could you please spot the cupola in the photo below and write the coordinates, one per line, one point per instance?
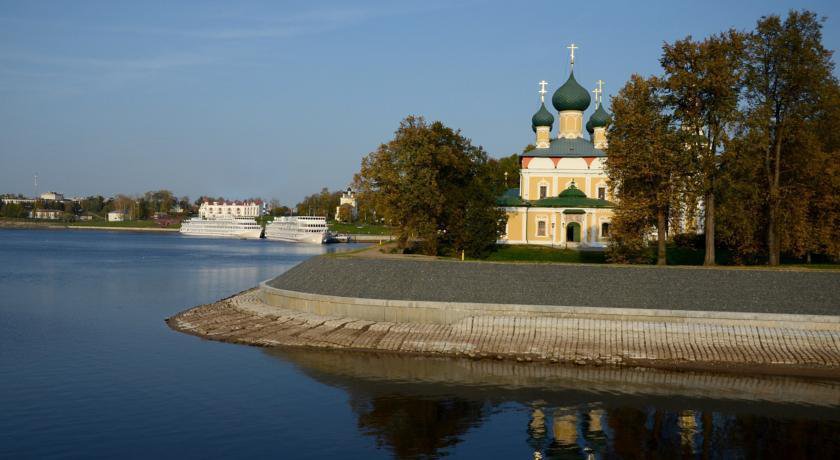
(571, 96)
(542, 121)
(599, 120)
(542, 118)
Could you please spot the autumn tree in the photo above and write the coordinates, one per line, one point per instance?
(702, 83)
(787, 70)
(322, 203)
(432, 184)
(645, 158)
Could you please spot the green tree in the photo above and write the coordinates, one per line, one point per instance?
(645, 158)
(320, 204)
(703, 80)
(503, 173)
(433, 185)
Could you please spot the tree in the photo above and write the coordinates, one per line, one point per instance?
(320, 204)
(503, 173)
(345, 213)
(703, 81)
(14, 210)
(645, 157)
(787, 69)
(432, 184)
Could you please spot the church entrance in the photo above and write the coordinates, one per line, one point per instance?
(573, 232)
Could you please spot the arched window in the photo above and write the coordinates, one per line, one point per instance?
(605, 229)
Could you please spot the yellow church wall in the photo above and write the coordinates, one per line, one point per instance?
(564, 181)
(514, 226)
(534, 186)
(590, 225)
(600, 216)
(533, 218)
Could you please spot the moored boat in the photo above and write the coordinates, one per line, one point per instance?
(298, 229)
(222, 226)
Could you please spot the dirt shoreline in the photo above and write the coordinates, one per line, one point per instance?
(240, 319)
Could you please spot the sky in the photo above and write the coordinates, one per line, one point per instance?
(278, 99)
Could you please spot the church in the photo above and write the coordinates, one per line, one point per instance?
(563, 197)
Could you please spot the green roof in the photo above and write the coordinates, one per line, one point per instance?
(570, 148)
(542, 118)
(572, 197)
(571, 96)
(599, 119)
(510, 198)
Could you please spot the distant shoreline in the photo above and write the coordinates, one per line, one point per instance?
(53, 226)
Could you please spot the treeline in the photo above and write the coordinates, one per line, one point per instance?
(739, 139)
(143, 206)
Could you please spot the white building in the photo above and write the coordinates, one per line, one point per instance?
(52, 196)
(212, 209)
(48, 214)
(347, 198)
(118, 216)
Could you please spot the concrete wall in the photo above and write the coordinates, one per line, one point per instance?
(450, 313)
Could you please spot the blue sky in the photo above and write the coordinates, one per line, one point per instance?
(278, 99)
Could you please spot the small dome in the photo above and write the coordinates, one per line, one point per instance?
(573, 191)
(542, 118)
(599, 119)
(589, 128)
(571, 96)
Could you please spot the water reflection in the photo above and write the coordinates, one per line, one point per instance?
(425, 407)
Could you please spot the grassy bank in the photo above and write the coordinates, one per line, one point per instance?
(521, 253)
(38, 223)
(676, 256)
(128, 223)
(359, 229)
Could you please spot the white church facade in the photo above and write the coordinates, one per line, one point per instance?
(563, 197)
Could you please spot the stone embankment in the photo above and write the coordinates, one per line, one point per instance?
(773, 333)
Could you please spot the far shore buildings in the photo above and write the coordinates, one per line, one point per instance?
(52, 196)
(46, 214)
(347, 198)
(563, 197)
(118, 216)
(214, 209)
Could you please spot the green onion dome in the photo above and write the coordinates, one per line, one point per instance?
(572, 191)
(589, 128)
(571, 96)
(542, 118)
(599, 119)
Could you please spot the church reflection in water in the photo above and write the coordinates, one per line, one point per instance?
(424, 407)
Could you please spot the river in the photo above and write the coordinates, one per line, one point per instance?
(89, 369)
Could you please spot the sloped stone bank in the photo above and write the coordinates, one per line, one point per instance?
(748, 321)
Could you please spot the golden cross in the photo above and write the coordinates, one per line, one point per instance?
(572, 48)
(542, 90)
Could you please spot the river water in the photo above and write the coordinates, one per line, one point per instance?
(89, 369)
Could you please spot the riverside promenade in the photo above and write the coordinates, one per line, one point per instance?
(734, 320)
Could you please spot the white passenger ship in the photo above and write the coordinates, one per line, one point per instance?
(298, 229)
(222, 226)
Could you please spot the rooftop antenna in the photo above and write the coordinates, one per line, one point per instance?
(36, 185)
